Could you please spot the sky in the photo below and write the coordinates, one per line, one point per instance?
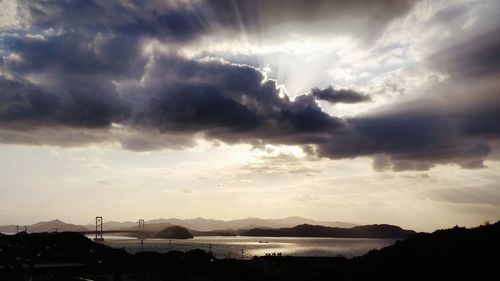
(382, 111)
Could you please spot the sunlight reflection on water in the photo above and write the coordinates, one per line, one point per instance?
(231, 246)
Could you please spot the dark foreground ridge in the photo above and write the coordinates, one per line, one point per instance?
(452, 254)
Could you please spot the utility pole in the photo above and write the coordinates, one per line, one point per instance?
(17, 229)
(242, 254)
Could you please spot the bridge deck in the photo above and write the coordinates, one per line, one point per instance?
(111, 231)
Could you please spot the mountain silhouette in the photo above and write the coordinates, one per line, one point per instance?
(45, 226)
(202, 224)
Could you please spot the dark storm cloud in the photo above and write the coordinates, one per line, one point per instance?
(200, 107)
(231, 102)
(76, 53)
(483, 122)
(475, 61)
(457, 121)
(186, 20)
(332, 95)
(474, 58)
(80, 69)
(25, 105)
(168, 20)
(22, 101)
(85, 78)
(410, 138)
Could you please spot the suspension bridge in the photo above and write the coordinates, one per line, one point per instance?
(100, 231)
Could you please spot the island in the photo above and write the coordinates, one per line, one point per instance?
(307, 230)
(174, 232)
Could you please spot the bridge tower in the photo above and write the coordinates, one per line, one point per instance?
(142, 234)
(141, 225)
(98, 229)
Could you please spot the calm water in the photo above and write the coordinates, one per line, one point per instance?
(231, 246)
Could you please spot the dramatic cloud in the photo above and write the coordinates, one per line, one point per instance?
(182, 20)
(170, 20)
(339, 96)
(25, 105)
(363, 19)
(113, 71)
(174, 96)
(476, 57)
(454, 122)
(408, 140)
(231, 102)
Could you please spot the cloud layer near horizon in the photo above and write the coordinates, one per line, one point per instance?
(78, 72)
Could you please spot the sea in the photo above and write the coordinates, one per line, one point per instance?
(248, 247)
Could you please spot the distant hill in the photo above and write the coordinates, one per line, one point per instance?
(201, 224)
(9, 228)
(174, 232)
(306, 230)
(46, 226)
(213, 233)
(203, 227)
